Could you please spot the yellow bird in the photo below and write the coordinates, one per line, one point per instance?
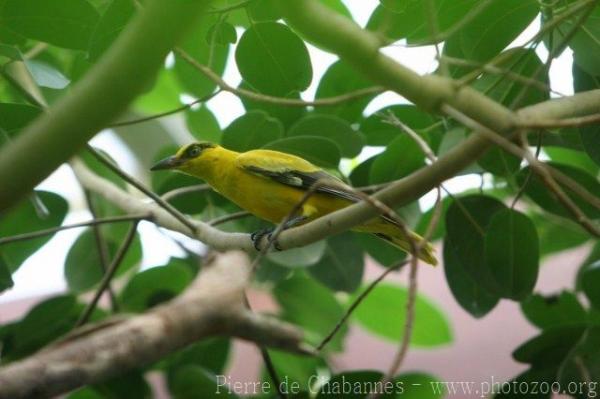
(269, 184)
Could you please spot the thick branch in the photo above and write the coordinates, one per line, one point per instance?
(212, 305)
(122, 73)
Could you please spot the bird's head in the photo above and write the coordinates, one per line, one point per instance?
(188, 159)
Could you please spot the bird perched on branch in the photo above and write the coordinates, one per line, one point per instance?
(270, 184)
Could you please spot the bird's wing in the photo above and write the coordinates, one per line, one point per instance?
(293, 171)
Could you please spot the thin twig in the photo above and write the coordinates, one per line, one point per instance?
(357, 302)
(538, 149)
(101, 248)
(210, 74)
(558, 123)
(267, 360)
(502, 71)
(41, 233)
(232, 7)
(131, 180)
(166, 113)
(169, 195)
(110, 273)
(228, 218)
(391, 119)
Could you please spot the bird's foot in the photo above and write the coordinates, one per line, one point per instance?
(258, 235)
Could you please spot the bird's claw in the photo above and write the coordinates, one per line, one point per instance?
(274, 242)
(257, 236)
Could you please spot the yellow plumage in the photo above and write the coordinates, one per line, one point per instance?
(269, 184)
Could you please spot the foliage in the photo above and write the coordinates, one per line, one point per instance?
(492, 248)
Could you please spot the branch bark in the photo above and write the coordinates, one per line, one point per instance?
(122, 73)
(213, 304)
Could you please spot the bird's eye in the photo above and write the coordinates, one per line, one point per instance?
(194, 152)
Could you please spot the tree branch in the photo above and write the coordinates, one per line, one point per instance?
(121, 74)
(265, 98)
(212, 305)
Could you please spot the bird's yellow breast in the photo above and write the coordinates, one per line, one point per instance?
(271, 200)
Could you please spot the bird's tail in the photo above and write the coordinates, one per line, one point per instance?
(395, 236)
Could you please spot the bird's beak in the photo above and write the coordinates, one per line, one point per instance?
(167, 163)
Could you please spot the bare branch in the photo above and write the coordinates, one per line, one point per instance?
(212, 305)
(109, 274)
(166, 113)
(45, 232)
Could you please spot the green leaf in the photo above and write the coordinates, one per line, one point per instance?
(590, 135)
(550, 347)
(383, 312)
(250, 131)
(584, 43)
(379, 132)
(44, 323)
(25, 219)
(10, 52)
(537, 191)
(14, 117)
(341, 266)
(272, 272)
(307, 255)
(297, 371)
(572, 157)
(109, 27)
(83, 268)
(401, 157)
(507, 89)
(273, 59)
(203, 124)
(590, 281)
(162, 96)
(68, 23)
(131, 384)
(191, 382)
(154, 286)
(512, 253)
(558, 234)
(263, 10)
(337, 6)
(425, 220)
(210, 354)
(467, 221)
(214, 56)
(222, 33)
(305, 302)
(318, 150)
(592, 257)
(339, 79)
(359, 177)
(286, 114)
(45, 75)
(582, 366)
(496, 27)
(5, 275)
(336, 129)
(381, 251)
(553, 310)
(409, 19)
(469, 294)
